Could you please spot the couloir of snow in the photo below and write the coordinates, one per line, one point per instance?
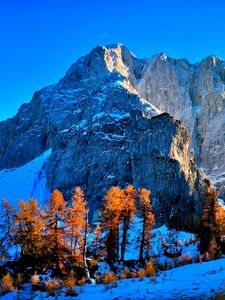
(26, 181)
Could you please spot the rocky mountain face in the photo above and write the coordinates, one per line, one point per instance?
(194, 94)
(104, 124)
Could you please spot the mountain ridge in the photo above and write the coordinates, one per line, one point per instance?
(86, 117)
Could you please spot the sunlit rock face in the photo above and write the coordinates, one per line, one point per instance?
(98, 120)
(194, 94)
(159, 158)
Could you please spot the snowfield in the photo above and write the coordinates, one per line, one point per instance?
(197, 281)
(194, 281)
(26, 181)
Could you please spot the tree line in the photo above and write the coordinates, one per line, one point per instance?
(56, 236)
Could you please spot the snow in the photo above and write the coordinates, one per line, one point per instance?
(116, 84)
(100, 97)
(149, 107)
(119, 116)
(221, 203)
(219, 178)
(26, 181)
(158, 234)
(78, 126)
(111, 136)
(97, 116)
(116, 116)
(81, 124)
(193, 281)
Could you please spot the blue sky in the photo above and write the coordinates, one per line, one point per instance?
(41, 39)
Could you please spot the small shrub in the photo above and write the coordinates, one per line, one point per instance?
(149, 269)
(191, 241)
(82, 281)
(183, 260)
(126, 273)
(141, 274)
(70, 286)
(7, 283)
(98, 279)
(121, 276)
(219, 296)
(108, 278)
(19, 279)
(51, 287)
(35, 279)
(115, 282)
(185, 243)
(206, 256)
(133, 275)
(189, 258)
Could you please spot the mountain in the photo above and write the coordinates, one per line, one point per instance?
(109, 121)
(26, 181)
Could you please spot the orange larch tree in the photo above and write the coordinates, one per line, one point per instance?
(6, 223)
(56, 215)
(127, 214)
(75, 222)
(29, 228)
(209, 229)
(96, 241)
(110, 222)
(147, 216)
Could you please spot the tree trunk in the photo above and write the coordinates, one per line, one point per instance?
(118, 243)
(86, 271)
(124, 239)
(141, 258)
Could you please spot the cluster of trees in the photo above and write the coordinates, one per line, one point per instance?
(210, 230)
(53, 236)
(120, 207)
(57, 236)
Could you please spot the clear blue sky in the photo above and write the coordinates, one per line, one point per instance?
(40, 39)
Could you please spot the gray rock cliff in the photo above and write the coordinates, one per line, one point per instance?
(104, 124)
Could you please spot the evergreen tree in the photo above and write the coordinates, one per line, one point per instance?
(57, 245)
(76, 223)
(29, 228)
(6, 223)
(209, 230)
(127, 215)
(110, 222)
(96, 241)
(145, 209)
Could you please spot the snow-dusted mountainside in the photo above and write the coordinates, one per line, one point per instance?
(25, 182)
(104, 125)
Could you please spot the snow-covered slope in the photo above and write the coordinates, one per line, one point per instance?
(26, 181)
(202, 282)
(194, 281)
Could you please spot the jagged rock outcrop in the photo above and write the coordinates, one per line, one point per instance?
(160, 146)
(103, 132)
(195, 94)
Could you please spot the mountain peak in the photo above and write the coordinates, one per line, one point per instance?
(100, 62)
(211, 61)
